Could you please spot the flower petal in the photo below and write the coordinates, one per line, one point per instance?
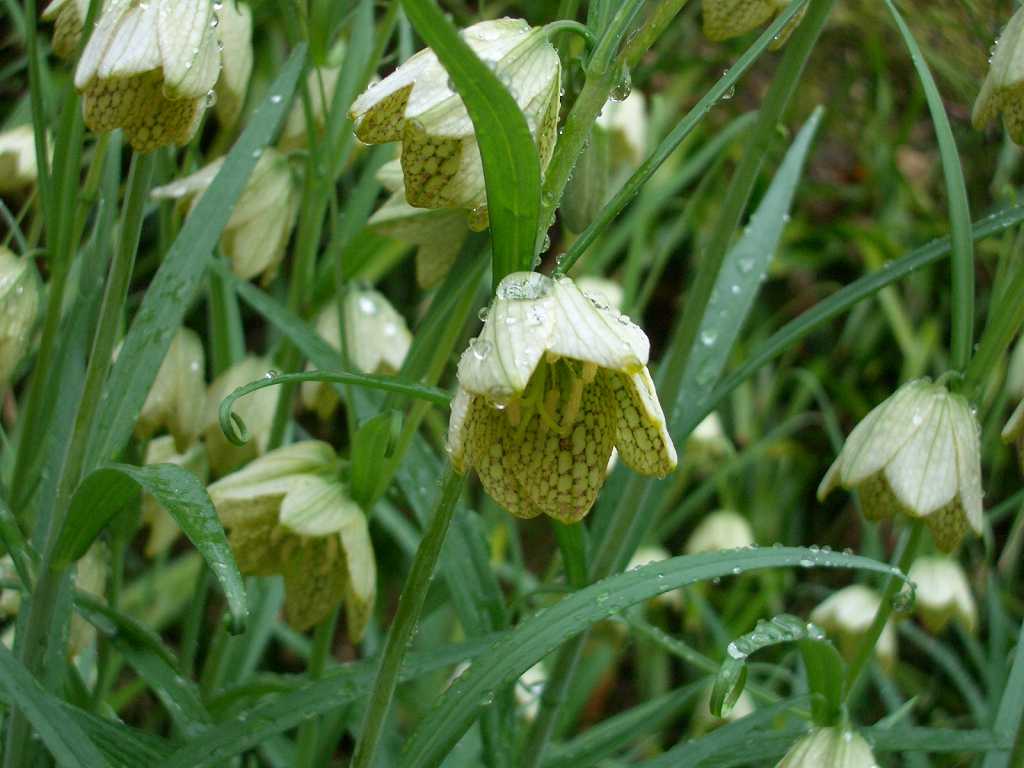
(922, 474)
(314, 580)
(641, 435)
(317, 505)
(133, 45)
(189, 48)
(361, 569)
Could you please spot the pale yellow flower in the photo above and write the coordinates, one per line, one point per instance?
(19, 306)
(551, 384)
(848, 614)
(69, 17)
(176, 398)
(720, 530)
(18, 168)
(724, 19)
(830, 748)
(1003, 89)
(943, 593)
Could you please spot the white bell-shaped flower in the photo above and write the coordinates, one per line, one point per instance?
(19, 306)
(848, 614)
(625, 122)
(417, 105)
(831, 747)
(287, 513)
(149, 68)
(917, 454)
(69, 19)
(529, 689)
(176, 399)
(720, 530)
(255, 237)
(551, 384)
(943, 593)
(1003, 89)
(652, 553)
(320, 84)
(18, 169)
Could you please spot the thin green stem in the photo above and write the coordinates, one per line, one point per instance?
(905, 558)
(668, 145)
(309, 732)
(39, 632)
(410, 605)
(570, 25)
(649, 32)
(1004, 321)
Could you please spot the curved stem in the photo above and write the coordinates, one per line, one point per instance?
(410, 605)
(570, 25)
(867, 646)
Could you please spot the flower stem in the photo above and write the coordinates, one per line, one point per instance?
(410, 605)
(1004, 321)
(905, 558)
(309, 732)
(38, 630)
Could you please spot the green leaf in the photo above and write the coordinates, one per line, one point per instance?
(68, 744)
(1011, 708)
(374, 442)
(842, 300)
(962, 300)
(108, 489)
(181, 274)
(510, 162)
(739, 280)
(546, 630)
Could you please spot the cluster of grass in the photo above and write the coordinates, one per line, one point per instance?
(802, 229)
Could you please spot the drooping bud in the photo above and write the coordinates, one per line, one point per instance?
(832, 747)
(551, 384)
(417, 105)
(724, 19)
(255, 410)
(320, 83)
(943, 593)
(655, 554)
(917, 455)
(149, 68)
(848, 614)
(708, 443)
(19, 305)
(235, 33)
(1003, 89)
(261, 223)
(163, 529)
(69, 17)
(437, 233)
(529, 689)
(720, 530)
(18, 169)
(176, 399)
(288, 514)
(625, 122)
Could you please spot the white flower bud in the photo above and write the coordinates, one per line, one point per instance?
(724, 19)
(704, 720)
(69, 17)
(626, 124)
(708, 443)
(848, 614)
(943, 593)
(437, 233)
(720, 530)
(163, 528)
(377, 340)
(917, 454)
(831, 747)
(1003, 89)
(288, 514)
(175, 400)
(529, 689)
(19, 305)
(18, 168)
(552, 382)
(235, 32)
(261, 223)
(149, 68)
(321, 83)
(655, 554)
(417, 105)
(256, 411)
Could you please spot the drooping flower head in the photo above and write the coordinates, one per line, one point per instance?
(149, 68)
(832, 747)
(551, 384)
(1003, 89)
(417, 105)
(917, 454)
(287, 513)
(255, 237)
(943, 593)
(720, 530)
(321, 83)
(18, 168)
(69, 19)
(724, 19)
(848, 614)
(175, 399)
